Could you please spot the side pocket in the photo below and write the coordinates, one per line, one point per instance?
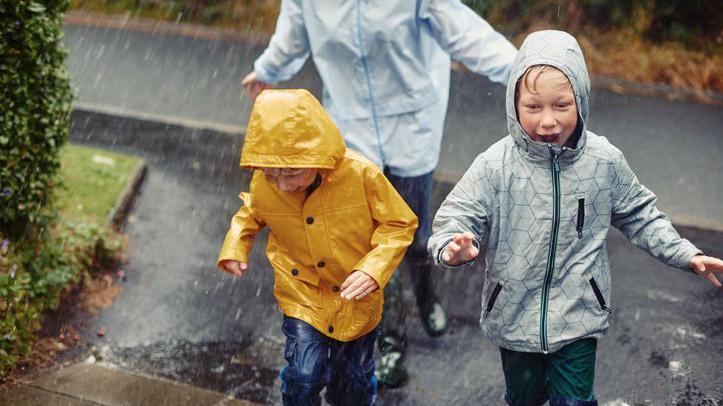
(493, 297)
(599, 296)
(580, 216)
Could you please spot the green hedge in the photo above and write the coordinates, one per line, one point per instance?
(36, 262)
(35, 97)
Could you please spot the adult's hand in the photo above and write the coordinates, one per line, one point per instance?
(254, 86)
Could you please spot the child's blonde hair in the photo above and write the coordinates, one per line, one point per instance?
(533, 73)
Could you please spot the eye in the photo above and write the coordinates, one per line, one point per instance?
(562, 106)
(532, 106)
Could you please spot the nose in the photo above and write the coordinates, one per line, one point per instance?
(548, 120)
(285, 185)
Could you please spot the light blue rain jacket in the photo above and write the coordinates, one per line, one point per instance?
(545, 212)
(385, 68)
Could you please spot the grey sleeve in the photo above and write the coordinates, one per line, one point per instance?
(635, 214)
(465, 209)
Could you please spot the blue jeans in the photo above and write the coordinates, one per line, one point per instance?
(315, 360)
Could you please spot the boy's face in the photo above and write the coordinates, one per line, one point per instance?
(290, 179)
(546, 105)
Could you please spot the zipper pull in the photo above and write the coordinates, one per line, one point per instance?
(555, 157)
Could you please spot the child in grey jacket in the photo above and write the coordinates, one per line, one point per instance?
(543, 199)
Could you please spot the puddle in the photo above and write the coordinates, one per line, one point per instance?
(233, 368)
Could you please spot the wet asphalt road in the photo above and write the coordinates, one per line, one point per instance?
(674, 147)
(180, 318)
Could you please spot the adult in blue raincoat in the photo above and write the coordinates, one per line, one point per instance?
(385, 66)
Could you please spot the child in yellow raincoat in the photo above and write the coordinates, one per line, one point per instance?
(338, 230)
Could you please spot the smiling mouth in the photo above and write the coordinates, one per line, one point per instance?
(548, 137)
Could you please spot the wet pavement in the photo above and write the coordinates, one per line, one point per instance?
(674, 147)
(180, 318)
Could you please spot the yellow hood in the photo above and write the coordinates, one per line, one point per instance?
(290, 129)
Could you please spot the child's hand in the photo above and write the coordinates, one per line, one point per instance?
(235, 268)
(460, 250)
(253, 85)
(706, 266)
(358, 285)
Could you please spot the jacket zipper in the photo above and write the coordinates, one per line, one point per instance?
(599, 296)
(493, 298)
(580, 216)
(555, 169)
(367, 77)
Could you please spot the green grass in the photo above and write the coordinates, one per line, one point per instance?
(93, 180)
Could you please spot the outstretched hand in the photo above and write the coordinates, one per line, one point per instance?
(254, 86)
(357, 285)
(707, 267)
(460, 250)
(235, 268)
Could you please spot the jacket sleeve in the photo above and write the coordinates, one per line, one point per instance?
(240, 236)
(396, 224)
(469, 39)
(288, 48)
(635, 214)
(467, 208)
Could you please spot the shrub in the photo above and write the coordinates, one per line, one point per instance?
(692, 22)
(35, 96)
(37, 262)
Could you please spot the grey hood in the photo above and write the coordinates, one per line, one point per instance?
(561, 50)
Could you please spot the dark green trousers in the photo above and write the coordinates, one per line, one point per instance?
(565, 377)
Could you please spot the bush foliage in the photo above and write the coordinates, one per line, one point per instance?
(36, 273)
(695, 23)
(35, 95)
(39, 257)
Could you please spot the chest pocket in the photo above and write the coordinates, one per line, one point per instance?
(575, 209)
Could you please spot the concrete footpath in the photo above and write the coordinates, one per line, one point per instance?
(86, 384)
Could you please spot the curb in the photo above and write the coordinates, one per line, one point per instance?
(627, 87)
(90, 383)
(118, 215)
(126, 22)
(622, 86)
(232, 130)
(441, 177)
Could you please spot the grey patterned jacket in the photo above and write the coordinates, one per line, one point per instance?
(544, 213)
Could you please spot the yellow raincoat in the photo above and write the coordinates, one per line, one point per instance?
(354, 220)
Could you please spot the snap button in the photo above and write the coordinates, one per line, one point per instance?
(294, 271)
(335, 289)
(321, 264)
(331, 329)
(309, 220)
